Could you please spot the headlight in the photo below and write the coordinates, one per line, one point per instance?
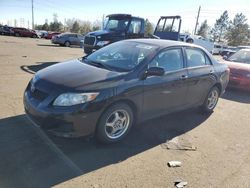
(70, 99)
(102, 43)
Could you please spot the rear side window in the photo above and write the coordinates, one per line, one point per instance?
(170, 60)
(135, 26)
(196, 57)
(72, 35)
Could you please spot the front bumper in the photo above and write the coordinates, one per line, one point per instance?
(71, 122)
(89, 48)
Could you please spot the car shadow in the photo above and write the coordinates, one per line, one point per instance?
(28, 160)
(50, 45)
(91, 155)
(237, 95)
(58, 46)
(32, 69)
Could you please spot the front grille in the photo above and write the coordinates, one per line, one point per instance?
(89, 40)
(39, 95)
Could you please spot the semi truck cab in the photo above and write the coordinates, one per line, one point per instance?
(117, 27)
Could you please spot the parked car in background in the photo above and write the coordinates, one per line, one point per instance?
(41, 33)
(198, 40)
(217, 49)
(228, 51)
(23, 32)
(6, 30)
(67, 39)
(49, 35)
(128, 81)
(239, 64)
(243, 47)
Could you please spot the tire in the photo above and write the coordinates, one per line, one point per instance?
(190, 41)
(211, 100)
(87, 51)
(67, 44)
(34, 36)
(17, 35)
(120, 117)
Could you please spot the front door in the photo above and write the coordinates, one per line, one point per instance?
(168, 92)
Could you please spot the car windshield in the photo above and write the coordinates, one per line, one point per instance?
(116, 23)
(121, 56)
(242, 56)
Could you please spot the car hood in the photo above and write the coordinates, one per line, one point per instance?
(75, 75)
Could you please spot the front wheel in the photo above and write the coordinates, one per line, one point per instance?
(211, 100)
(115, 123)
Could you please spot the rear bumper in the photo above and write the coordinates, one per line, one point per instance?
(240, 83)
(74, 122)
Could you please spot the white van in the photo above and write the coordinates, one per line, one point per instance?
(198, 40)
(217, 49)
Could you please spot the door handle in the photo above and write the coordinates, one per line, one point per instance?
(184, 77)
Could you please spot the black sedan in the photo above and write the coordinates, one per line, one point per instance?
(106, 92)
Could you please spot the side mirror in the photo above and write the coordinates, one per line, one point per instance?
(155, 71)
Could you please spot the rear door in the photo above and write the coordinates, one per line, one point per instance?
(166, 93)
(201, 75)
(73, 39)
(26, 32)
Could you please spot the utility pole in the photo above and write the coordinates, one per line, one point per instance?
(32, 14)
(103, 20)
(197, 20)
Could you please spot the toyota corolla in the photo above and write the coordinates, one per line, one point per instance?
(107, 92)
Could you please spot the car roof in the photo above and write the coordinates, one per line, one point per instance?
(164, 43)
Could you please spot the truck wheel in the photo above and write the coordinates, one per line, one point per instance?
(115, 123)
(190, 41)
(87, 51)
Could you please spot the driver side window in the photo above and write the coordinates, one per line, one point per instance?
(170, 60)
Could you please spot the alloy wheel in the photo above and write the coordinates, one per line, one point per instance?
(117, 124)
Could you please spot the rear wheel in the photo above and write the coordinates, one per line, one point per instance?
(67, 44)
(115, 123)
(34, 36)
(211, 100)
